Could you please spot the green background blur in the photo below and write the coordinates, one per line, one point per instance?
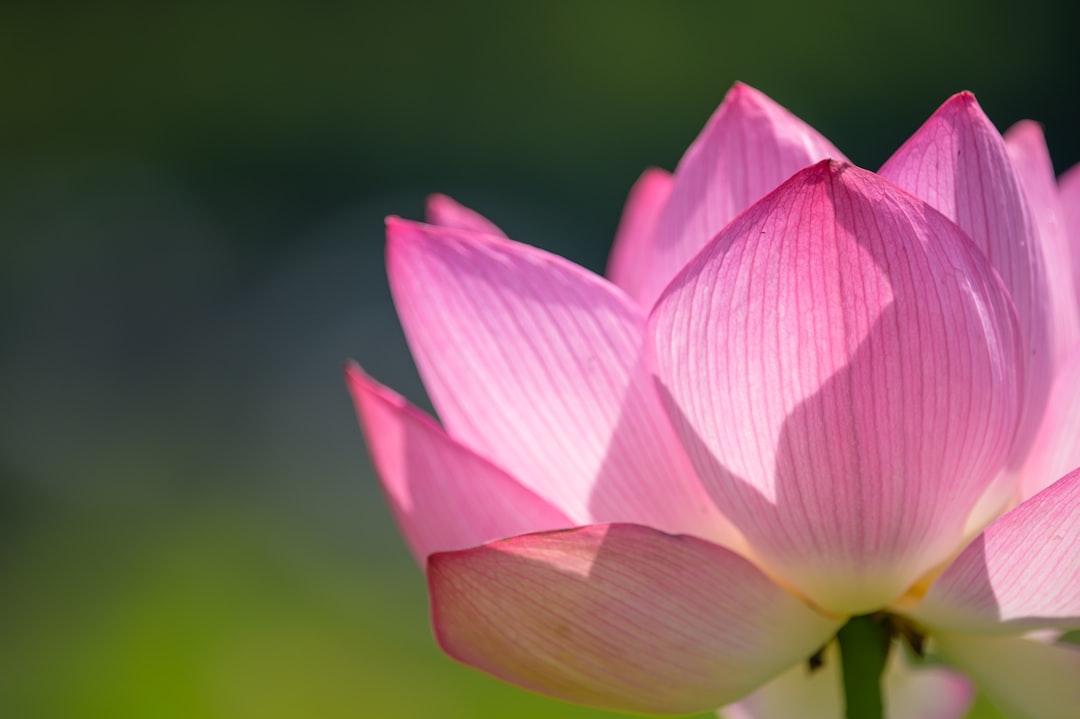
(191, 205)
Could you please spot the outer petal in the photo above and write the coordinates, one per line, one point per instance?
(442, 494)
(1069, 187)
(749, 146)
(841, 365)
(539, 365)
(447, 212)
(958, 163)
(1056, 450)
(1031, 158)
(632, 254)
(1026, 679)
(622, 617)
(909, 693)
(1022, 573)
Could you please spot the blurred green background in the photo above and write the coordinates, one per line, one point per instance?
(191, 204)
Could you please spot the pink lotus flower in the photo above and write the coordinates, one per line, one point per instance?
(806, 392)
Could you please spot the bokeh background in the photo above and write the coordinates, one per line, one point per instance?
(191, 206)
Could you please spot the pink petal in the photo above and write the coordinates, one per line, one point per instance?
(446, 212)
(538, 365)
(1026, 679)
(1022, 573)
(910, 692)
(621, 617)
(841, 365)
(959, 164)
(1031, 158)
(749, 146)
(442, 494)
(631, 256)
(1056, 450)
(1069, 189)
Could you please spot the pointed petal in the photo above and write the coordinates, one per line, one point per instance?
(749, 146)
(621, 617)
(910, 692)
(446, 212)
(1056, 450)
(959, 164)
(1069, 189)
(443, 495)
(841, 365)
(631, 256)
(1026, 679)
(1022, 573)
(1031, 158)
(539, 365)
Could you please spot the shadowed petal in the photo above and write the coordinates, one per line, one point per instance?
(447, 212)
(1026, 679)
(621, 617)
(631, 256)
(958, 162)
(841, 365)
(909, 692)
(442, 494)
(1031, 158)
(749, 146)
(539, 365)
(1021, 573)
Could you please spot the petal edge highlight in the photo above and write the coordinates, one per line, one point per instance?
(539, 365)
(1022, 573)
(444, 211)
(827, 361)
(629, 265)
(443, 495)
(749, 146)
(621, 617)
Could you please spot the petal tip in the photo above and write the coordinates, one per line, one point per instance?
(963, 102)
(746, 97)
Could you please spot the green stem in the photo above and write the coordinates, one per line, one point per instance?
(864, 647)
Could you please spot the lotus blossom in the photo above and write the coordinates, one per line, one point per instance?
(805, 392)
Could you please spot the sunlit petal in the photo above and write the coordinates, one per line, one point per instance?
(1022, 573)
(539, 365)
(443, 495)
(630, 264)
(749, 146)
(447, 212)
(841, 365)
(958, 162)
(621, 617)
